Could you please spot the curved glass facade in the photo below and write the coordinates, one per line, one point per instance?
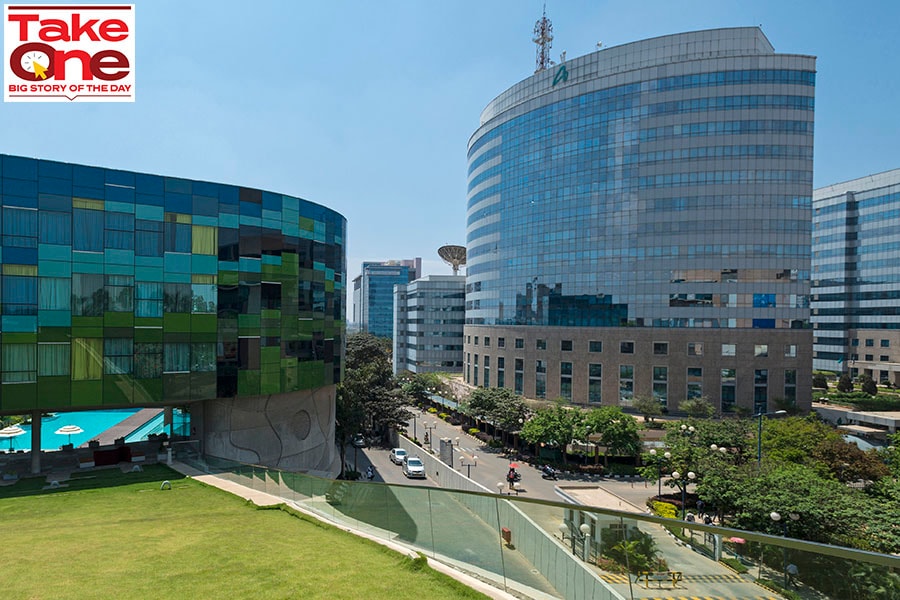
(664, 184)
(122, 288)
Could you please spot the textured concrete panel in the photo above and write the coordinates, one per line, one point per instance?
(293, 431)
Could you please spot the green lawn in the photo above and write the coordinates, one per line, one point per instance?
(117, 535)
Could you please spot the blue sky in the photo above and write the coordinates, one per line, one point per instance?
(367, 107)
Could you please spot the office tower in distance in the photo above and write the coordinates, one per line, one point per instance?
(373, 293)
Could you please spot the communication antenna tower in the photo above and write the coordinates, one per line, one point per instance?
(453, 256)
(543, 37)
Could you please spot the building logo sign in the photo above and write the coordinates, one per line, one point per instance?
(68, 53)
(562, 75)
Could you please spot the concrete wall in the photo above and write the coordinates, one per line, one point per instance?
(292, 431)
(572, 578)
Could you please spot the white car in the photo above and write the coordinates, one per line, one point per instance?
(398, 455)
(414, 467)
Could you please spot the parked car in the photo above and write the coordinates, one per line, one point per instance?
(397, 455)
(414, 467)
(358, 440)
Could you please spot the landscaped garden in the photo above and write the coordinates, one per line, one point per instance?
(108, 534)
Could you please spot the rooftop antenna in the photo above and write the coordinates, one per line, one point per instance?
(543, 37)
(453, 256)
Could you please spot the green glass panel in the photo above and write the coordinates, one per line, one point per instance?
(270, 355)
(176, 386)
(118, 389)
(148, 335)
(203, 385)
(12, 337)
(203, 323)
(148, 391)
(248, 383)
(180, 322)
(228, 277)
(148, 322)
(22, 396)
(87, 393)
(270, 313)
(310, 374)
(118, 319)
(54, 391)
(270, 382)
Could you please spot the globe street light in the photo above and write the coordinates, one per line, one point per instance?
(473, 462)
(667, 456)
(775, 516)
(683, 484)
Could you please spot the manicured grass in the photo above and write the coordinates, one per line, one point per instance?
(117, 535)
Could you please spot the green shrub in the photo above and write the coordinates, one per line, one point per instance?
(735, 564)
(443, 416)
(474, 430)
(777, 587)
(494, 443)
(663, 509)
(432, 410)
(620, 469)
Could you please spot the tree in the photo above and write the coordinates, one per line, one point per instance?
(700, 408)
(819, 381)
(846, 462)
(845, 384)
(868, 385)
(556, 427)
(368, 387)
(617, 431)
(648, 406)
(501, 407)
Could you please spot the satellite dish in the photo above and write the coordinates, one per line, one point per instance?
(453, 256)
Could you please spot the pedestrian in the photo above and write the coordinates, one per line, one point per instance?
(792, 572)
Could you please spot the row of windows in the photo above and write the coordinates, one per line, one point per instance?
(723, 128)
(714, 79)
(91, 358)
(627, 347)
(725, 177)
(659, 382)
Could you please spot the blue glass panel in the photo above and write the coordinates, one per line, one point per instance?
(204, 264)
(120, 177)
(89, 225)
(91, 177)
(149, 184)
(119, 194)
(764, 323)
(179, 203)
(251, 209)
(20, 256)
(54, 318)
(20, 227)
(178, 186)
(150, 200)
(58, 170)
(19, 324)
(54, 268)
(19, 168)
(177, 263)
(58, 201)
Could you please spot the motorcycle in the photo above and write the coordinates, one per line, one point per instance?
(548, 472)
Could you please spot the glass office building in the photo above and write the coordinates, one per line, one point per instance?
(429, 314)
(373, 293)
(855, 283)
(639, 225)
(122, 289)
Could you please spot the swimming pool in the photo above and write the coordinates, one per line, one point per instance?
(93, 422)
(180, 422)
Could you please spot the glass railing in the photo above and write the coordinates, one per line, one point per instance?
(543, 549)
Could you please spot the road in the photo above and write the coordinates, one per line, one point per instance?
(489, 466)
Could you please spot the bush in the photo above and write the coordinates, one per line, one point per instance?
(734, 564)
(620, 469)
(663, 509)
(844, 384)
(868, 385)
(474, 431)
(432, 410)
(443, 416)
(819, 381)
(777, 587)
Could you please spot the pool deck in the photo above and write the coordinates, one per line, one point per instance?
(108, 437)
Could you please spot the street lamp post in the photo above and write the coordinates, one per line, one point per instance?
(667, 456)
(759, 417)
(500, 485)
(473, 462)
(775, 516)
(430, 434)
(683, 484)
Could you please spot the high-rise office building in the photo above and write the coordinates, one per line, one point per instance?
(429, 314)
(373, 293)
(855, 282)
(639, 225)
